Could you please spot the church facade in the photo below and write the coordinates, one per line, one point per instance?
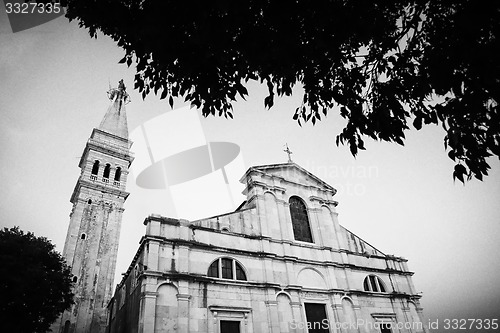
(280, 263)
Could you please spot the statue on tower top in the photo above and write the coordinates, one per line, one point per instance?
(121, 85)
(119, 94)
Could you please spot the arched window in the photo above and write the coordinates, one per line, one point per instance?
(227, 268)
(374, 283)
(95, 167)
(83, 236)
(66, 326)
(107, 169)
(118, 174)
(75, 279)
(300, 221)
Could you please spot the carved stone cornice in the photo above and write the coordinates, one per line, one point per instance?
(322, 201)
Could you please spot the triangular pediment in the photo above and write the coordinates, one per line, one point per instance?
(293, 173)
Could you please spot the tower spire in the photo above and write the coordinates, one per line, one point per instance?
(115, 119)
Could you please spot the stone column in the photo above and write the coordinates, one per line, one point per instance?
(298, 318)
(284, 229)
(262, 217)
(183, 313)
(336, 318)
(339, 234)
(147, 312)
(357, 312)
(287, 224)
(183, 266)
(274, 319)
(316, 225)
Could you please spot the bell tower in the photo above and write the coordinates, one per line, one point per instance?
(94, 228)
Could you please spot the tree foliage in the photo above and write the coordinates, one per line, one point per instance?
(35, 282)
(385, 65)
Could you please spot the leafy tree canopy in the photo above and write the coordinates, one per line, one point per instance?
(35, 283)
(386, 65)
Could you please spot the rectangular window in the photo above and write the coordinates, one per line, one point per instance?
(385, 328)
(227, 268)
(316, 318)
(373, 282)
(229, 326)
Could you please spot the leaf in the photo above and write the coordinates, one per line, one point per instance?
(343, 112)
(242, 90)
(451, 155)
(417, 123)
(269, 101)
(164, 93)
(361, 144)
(432, 119)
(459, 172)
(353, 148)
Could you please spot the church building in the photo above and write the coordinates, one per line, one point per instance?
(280, 263)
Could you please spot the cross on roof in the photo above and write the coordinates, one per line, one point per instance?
(289, 152)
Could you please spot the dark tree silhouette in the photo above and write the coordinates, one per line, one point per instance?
(35, 282)
(382, 64)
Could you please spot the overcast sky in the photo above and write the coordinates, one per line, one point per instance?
(402, 200)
